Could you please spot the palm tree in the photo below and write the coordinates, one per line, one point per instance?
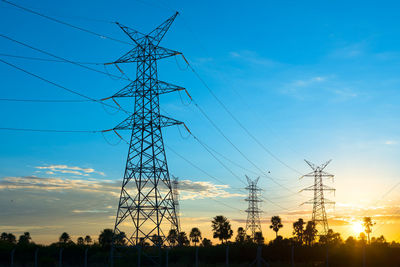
(276, 224)
(64, 238)
(221, 228)
(368, 223)
(195, 235)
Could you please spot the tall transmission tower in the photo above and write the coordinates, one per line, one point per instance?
(253, 211)
(319, 200)
(175, 193)
(146, 208)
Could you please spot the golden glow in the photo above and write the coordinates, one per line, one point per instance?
(357, 227)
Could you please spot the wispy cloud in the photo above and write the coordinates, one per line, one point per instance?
(65, 169)
(190, 190)
(252, 58)
(391, 142)
(59, 184)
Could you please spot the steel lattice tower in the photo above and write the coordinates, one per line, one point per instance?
(175, 193)
(146, 208)
(253, 211)
(319, 201)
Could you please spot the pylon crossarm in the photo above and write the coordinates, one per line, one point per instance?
(131, 90)
(323, 166)
(162, 52)
(164, 88)
(312, 166)
(126, 124)
(167, 121)
(130, 56)
(158, 33)
(134, 35)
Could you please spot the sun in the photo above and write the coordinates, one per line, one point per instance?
(357, 227)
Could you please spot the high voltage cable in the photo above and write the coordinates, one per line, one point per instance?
(58, 57)
(65, 23)
(236, 148)
(43, 100)
(46, 59)
(237, 121)
(192, 69)
(60, 86)
(48, 130)
(91, 32)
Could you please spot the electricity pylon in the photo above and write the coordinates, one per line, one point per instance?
(253, 212)
(146, 208)
(319, 214)
(175, 193)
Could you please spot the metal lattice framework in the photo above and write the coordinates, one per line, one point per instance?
(319, 200)
(253, 211)
(175, 193)
(146, 208)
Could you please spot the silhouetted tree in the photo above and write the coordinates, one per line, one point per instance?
(221, 228)
(88, 240)
(172, 237)
(258, 238)
(64, 238)
(24, 239)
(105, 238)
(157, 240)
(10, 238)
(310, 233)
(182, 239)
(3, 236)
(368, 223)
(206, 242)
(195, 235)
(276, 224)
(298, 230)
(80, 241)
(350, 241)
(241, 235)
(362, 238)
(331, 238)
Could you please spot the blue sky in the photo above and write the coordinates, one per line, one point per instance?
(310, 80)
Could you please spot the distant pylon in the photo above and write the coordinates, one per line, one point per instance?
(175, 193)
(319, 214)
(253, 212)
(146, 208)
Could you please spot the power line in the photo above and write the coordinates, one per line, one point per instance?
(238, 122)
(48, 130)
(46, 59)
(59, 86)
(60, 58)
(65, 23)
(42, 100)
(236, 148)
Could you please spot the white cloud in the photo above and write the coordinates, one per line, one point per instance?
(253, 58)
(69, 169)
(391, 142)
(190, 190)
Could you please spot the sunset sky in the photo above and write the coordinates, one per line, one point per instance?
(314, 80)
